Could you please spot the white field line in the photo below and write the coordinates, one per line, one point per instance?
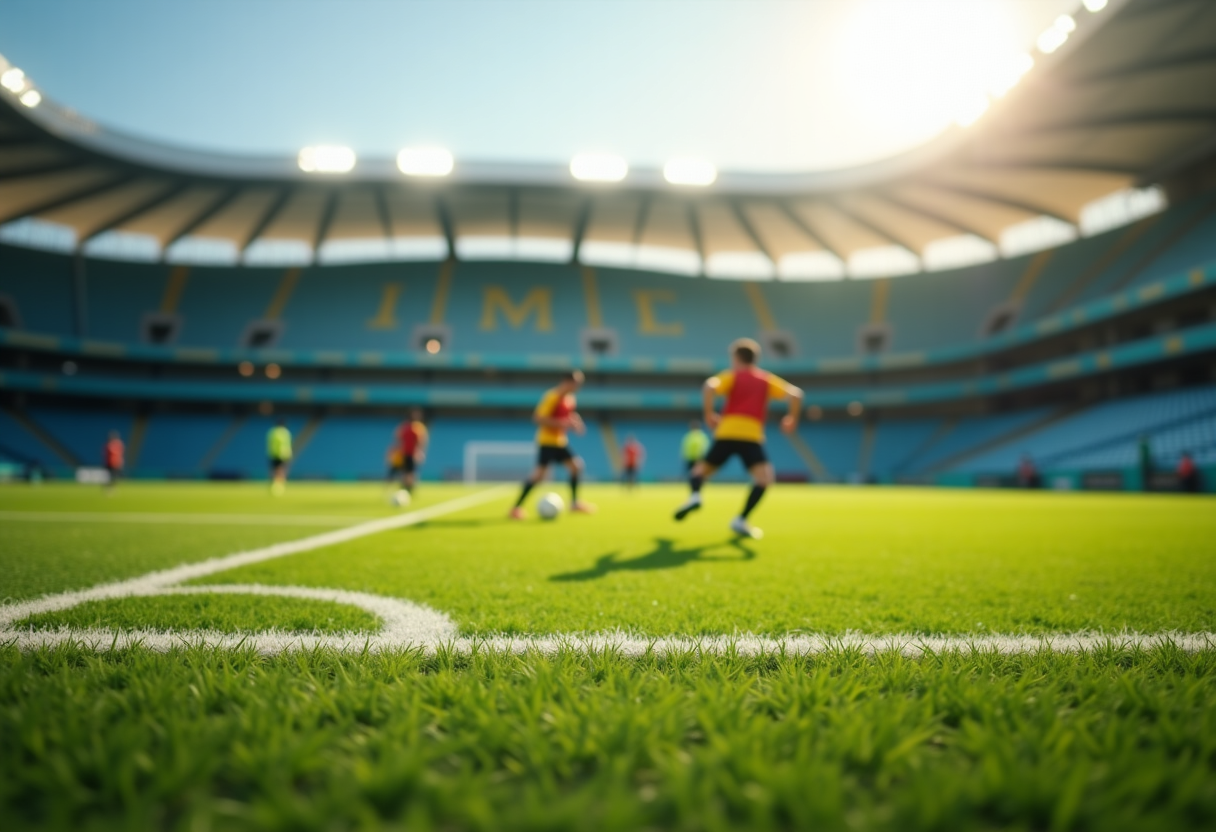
(408, 625)
(629, 645)
(175, 518)
(154, 583)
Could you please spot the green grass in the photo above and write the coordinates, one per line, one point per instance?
(198, 739)
(879, 561)
(53, 556)
(220, 613)
(205, 740)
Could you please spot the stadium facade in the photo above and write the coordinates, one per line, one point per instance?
(187, 299)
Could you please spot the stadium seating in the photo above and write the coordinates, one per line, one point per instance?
(520, 308)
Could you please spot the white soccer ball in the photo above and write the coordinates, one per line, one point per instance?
(550, 506)
(401, 498)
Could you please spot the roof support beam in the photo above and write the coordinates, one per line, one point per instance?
(220, 203)
(873, 228)
(996, 199)
(1064, 165)
(1121, 120)
(445, 222)
(750, 231)
(961, 227)
(581, 221)
(264, 221)
(806, 229)
(40, 170)
(1201, 56)
(323, 225)
(68, 199)
(639, 223)
(694, 228)
(386, 220)
(173, 190)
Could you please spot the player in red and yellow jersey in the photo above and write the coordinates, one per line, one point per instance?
(411, 440)
(555, 416)
(740, 427)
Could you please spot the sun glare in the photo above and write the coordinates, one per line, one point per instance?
(917, 67)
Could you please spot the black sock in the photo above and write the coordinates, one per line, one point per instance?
(753, 499)
(523, 495)
(574, 488)
(695, 483)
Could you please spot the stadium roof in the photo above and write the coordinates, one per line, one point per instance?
(1125, 101)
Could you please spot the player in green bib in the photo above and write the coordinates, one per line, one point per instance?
(693, 446)
(278, 453)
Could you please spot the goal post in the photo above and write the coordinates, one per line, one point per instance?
(498, 461)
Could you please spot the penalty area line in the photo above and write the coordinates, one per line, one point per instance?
(155, 583)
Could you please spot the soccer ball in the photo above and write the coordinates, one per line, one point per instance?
(550, 506)
(401, 498)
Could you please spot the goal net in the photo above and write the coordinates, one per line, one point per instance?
(498, 461)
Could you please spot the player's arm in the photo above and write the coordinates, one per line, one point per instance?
(714, 386)
(782, 389)
(575, 423)
(424, 442)
(542, 415)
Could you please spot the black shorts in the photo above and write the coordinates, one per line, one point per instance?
(276, 463)
(750, 453)
(550, 454)
(408, 465)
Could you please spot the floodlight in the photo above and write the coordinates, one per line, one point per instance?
(1095, 5)
(1065, 24)
(598, 167)
(31, 98)
(273, 371)
(433, 346)
(690, 172)
(13, 80)
(424, 161)
(971, 112)
(326, 159)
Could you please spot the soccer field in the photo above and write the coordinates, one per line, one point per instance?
(882, 659)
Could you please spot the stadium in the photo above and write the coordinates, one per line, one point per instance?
(983, 597)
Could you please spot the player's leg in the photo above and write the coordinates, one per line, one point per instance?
(718, 455)
(574, 464)
(762, 477)
(538, 474)
(409, 474)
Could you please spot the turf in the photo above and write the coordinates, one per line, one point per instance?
(53, 555)
(833, 560)
(205, 739)
(216, 613)
(1113, 739)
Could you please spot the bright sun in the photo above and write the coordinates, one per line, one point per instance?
(916, 66)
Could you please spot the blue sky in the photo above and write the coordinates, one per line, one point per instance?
(753, 85)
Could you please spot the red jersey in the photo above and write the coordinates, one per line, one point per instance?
(112, 455)
(747, 393)
(1186, 467)
(631, 454)
(409, 436)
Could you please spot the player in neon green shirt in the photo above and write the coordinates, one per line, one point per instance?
(278, 453)
(693, 446)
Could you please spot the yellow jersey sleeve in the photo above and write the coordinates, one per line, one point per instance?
(778, 388)
(547, 403)
(723, 382)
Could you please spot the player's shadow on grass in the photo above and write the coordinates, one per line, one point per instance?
(665, 555)
(462, 524)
